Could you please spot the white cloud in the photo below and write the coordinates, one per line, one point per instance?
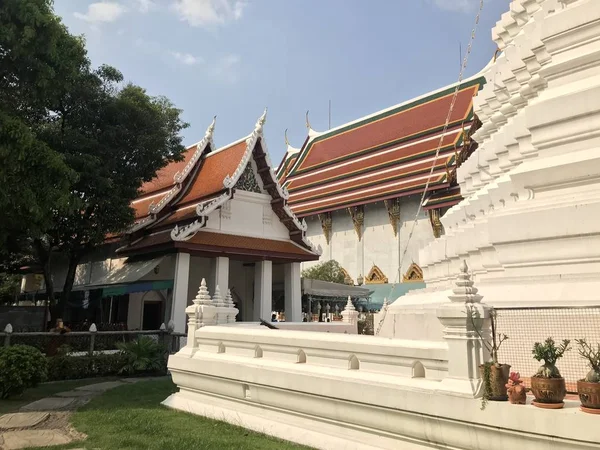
(186, 58)
(199, 13)
(457, 5)
(226, 69)
(102, 12)
(145, 5)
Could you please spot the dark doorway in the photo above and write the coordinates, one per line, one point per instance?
(152, 316)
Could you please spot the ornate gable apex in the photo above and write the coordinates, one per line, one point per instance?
(376, 276)
(255, 149)
(413, 274)
(203, 147)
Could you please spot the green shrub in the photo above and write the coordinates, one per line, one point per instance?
(144, 355)
(63, 367)
(21, 367)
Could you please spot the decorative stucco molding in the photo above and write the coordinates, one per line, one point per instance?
(393, 210)
(413, 274)
(357, 213)
(376, 276)
(326, 225)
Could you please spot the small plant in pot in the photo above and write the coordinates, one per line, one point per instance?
(547, 385)
(517, 393)
(589, 388)
(494, 375)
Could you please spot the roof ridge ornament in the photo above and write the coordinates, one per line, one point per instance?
(230, 180)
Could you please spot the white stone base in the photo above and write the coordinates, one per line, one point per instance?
(316, 433)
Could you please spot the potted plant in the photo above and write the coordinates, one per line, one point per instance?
(494, 375)
(547, 385)
(517, 393)
(589, 388)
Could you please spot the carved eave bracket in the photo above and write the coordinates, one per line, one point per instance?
(413, 274)
(376, 276)
(357, 213)
(436, 224)
(326, 225)
(393, 210)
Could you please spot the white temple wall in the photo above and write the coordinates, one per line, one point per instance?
(249, 214)
(378, 246)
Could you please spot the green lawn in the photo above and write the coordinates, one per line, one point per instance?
(131, 417)
(45, 390)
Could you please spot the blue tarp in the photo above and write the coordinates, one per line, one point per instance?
(390, 291)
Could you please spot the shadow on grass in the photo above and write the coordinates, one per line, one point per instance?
(131, 417)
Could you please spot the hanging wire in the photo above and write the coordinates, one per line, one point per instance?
(437, 152)
(445, 129)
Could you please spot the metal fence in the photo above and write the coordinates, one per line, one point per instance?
(79, 342)
(526, 326)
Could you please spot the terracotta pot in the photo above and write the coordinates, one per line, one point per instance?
(517, 394)
(589, 394)
(548, 390)
(498, 380)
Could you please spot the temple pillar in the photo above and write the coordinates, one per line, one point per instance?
(180, 291)
(263, 290)
(220, 273)
(293, 293)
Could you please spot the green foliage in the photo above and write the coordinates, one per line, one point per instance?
(550, 354)
(586, 351)
(63, 367)
(326, 271)
(21, 367)
(10, 286)
(143, 355)
(75, 143)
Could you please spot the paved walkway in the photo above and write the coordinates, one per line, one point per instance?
(45, 422)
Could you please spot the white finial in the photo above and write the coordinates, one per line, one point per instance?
(203, 297)
(217, 299)
(163, 327)
(349, 305)
(229, 299)
(262, 119)
(211, 128)
(8, 329)
(93, 328)
(171, 325)
(307, 121)
(464, 291)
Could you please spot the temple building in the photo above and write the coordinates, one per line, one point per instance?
(218, 214)
(358, 186)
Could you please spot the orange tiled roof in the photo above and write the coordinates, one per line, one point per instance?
(215, 167)
(388, 153)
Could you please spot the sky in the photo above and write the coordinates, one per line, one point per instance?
(233, 58)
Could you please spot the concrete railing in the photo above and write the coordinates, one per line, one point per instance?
(413, 359)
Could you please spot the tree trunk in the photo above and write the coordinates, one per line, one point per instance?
(74, 258)
(43, 256)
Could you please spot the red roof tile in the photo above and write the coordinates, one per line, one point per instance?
(215, 167)
(164, 177)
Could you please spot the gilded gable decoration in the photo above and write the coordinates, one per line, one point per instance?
(326, 225)
(357, 213)
(376, 276)
(247, 181)
(393, 210)
(413, 274)
(347, 278)
(436, 224)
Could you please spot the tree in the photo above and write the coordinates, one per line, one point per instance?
(37, 55)
(109, 138)
(326, 271)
